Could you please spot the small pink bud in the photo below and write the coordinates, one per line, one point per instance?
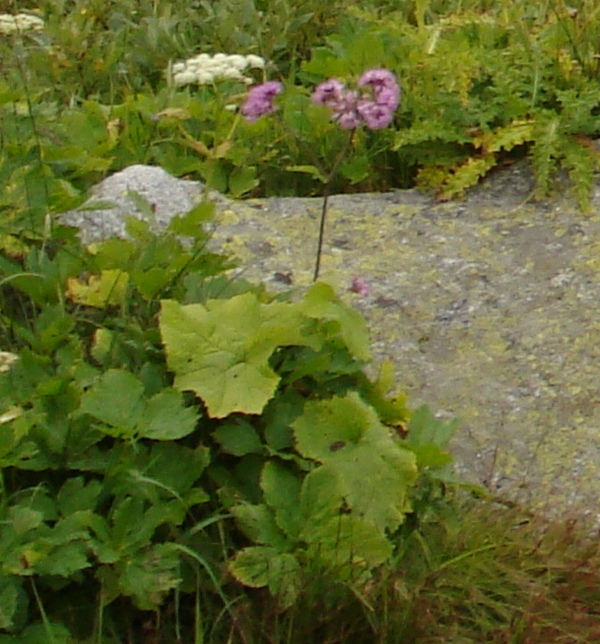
(359, 286)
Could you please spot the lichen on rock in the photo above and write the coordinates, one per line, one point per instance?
(489, 308)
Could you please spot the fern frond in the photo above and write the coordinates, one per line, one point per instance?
(546, 150)
(581, 160)
(467, 175)
(429, 130)
(507, 137)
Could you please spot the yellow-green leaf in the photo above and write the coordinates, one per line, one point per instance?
(110, 287)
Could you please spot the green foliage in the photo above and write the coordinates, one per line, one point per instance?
(172, 443)
(336, 515)
(481, 89)
(159, 424)
(483, 86)
(221, 352)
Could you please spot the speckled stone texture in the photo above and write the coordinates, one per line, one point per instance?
(489, 308)
(140, 191)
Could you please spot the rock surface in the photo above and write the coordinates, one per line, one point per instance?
(141, 191)
(488, 307)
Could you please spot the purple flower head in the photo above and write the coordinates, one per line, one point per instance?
(329, 93)
(341, 101)
(375, 107)
(379, 79)
(388, 98)
(375, 116)
(260, 100)
(345, 111)
(347, 120)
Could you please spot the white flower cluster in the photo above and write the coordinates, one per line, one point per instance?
(18, 23)
(7, 360)
(11, 414)
(205, 69)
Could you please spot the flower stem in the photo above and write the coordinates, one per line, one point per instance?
(326, 192)
(321, 231)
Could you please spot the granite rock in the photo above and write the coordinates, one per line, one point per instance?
(140, 191)
(489, 308)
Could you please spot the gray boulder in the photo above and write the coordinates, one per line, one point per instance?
(488, 307)
(141, 191)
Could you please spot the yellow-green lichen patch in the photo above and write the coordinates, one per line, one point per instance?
(489, 308)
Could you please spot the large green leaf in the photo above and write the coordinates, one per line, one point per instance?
(321, 497)
(281, 488)
(258, 524)
(165, 417)
(176, 467)
(347, 546)
(374, 471)
(115, 399)
(133, 526)
(151, 573)
(260, 566)
(75, 495)
(338, 540)
(220, 351)
(64, 560)
(239, 438)
(322, 303)
(23, 519)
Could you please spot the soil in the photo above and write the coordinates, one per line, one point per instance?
(488, 307)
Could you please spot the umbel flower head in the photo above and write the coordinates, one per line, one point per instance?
(10, 24)
(205, 69)
(7, 360)
(374, 104)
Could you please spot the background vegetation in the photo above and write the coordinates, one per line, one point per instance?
(145, 495)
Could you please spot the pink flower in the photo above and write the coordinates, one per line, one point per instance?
(260, 100)
(374, 107)
(359, 286)
(375, 117)
(344, 111)
(388, 97)
(347, 119)
(330, 93)
(379, 79)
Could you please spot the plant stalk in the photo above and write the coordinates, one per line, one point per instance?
(326, 193)
(321, 230)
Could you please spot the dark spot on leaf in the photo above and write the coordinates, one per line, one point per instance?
(334, 447)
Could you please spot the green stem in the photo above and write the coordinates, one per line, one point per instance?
(327, 189)
(326, 192)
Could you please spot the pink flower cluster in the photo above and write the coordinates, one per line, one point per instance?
(260, 100)
(374, 104)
